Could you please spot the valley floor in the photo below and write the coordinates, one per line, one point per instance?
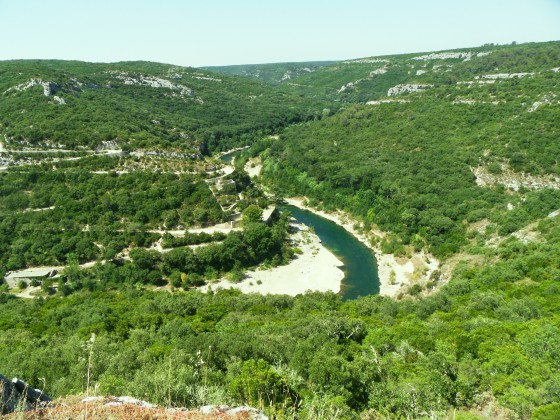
(315, 268)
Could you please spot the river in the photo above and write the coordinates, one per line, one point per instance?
(228, 157)
(360, 266)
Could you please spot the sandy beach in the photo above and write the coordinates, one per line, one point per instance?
(315, 268)
(318, 269)
(403, 271)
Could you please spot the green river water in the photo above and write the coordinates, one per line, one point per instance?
(360, 266)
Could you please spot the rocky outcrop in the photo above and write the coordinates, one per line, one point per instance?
(400, 89)
(149, 410)
(117, 401)
(503, 76)
(513, 181)
(17, 395)
(387, 101)
(59, 100)
(154, 82)
(210, 79)
(243, 411)
(465, 56)
(170, 155)
(349, 85)
(379, 71)
(366, 61)
(49, 88)
(8, 398)
(546, 100)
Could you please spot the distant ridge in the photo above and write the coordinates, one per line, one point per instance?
(273, 73)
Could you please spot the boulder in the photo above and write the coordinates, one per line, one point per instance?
(16, 395)
(8, 399)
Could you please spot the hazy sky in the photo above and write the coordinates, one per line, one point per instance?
(220, 32)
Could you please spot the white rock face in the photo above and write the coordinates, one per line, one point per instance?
(48, 87)
(514, 181)
(465, 56)
(154, 82)
(387, 101)
(535, 106)
(400, 89)
(211, 79)
(59, 100)
(556, 69)
(444, 56)
(366, 61)
(504, 75)
(546, 100)
(287, 75)
(479, 82)
(108, 145)
(376, 72)
(349, 85)
(420, 72)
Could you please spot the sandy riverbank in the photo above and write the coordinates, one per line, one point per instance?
(253, 167)
(316, 268)
(395, 273)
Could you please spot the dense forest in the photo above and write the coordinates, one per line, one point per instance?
(402, 166)
(138, 105)
(453, 152)
(42, 223)
(489, 338)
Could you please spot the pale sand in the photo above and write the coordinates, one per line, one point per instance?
(407, 271)
(253, 167)
(316, 269)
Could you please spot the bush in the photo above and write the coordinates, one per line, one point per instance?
(414, 290)
(547, 412)
(175, 279)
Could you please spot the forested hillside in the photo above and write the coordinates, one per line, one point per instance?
(452, 152)
(274, 73)
(64, 104)
(487, 341)
(414, 162)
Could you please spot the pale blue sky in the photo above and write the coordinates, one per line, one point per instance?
(220, 32)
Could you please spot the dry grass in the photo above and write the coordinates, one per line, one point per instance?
(68, 410)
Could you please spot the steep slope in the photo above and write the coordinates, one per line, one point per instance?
(370, 78)
(434, 154)
(64, 104)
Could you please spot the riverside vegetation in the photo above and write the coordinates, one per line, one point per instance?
(453, 152)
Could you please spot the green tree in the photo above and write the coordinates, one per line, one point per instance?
(257, 384)
(252, 214)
